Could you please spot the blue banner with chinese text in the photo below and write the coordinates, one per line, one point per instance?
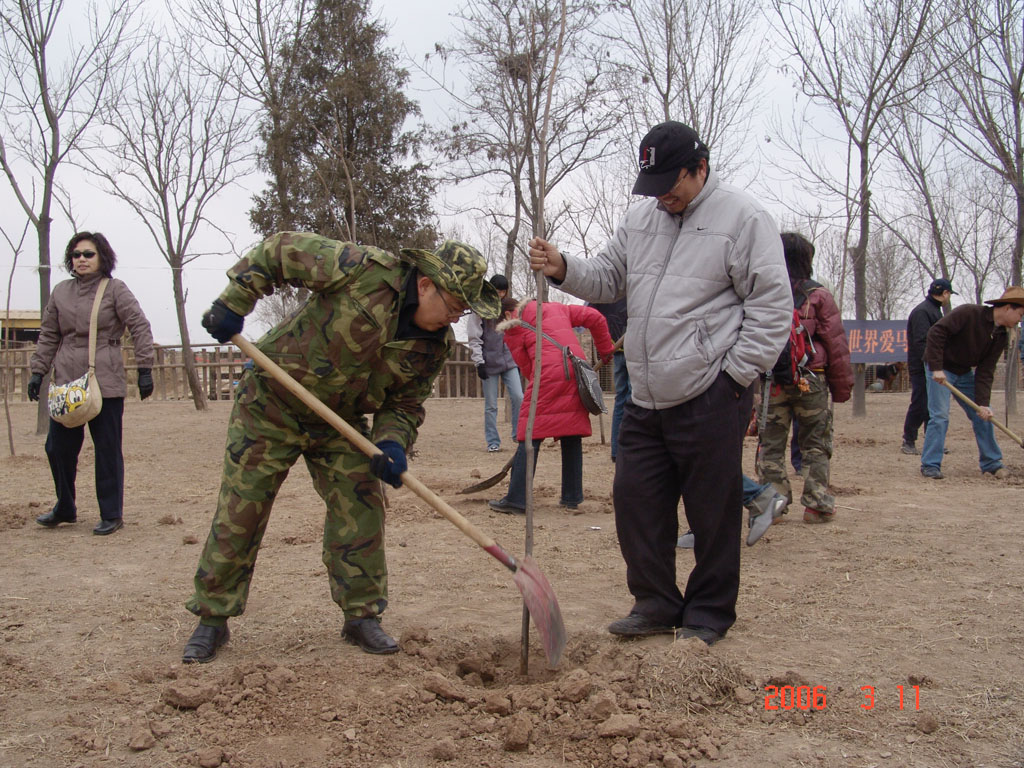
(876, 341)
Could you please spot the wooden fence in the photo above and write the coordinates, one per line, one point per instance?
(220, 367)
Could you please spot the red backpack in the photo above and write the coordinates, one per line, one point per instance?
(799, 347)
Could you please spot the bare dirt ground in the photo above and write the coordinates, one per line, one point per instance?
(917, 586)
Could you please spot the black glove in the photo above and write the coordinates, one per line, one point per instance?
(221, 322)
(481, 371)
(145, 383)
(390, 464)
(33, 386)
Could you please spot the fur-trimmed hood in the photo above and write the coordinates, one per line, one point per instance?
(504, 325)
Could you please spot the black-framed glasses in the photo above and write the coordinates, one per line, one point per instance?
(82, 254)
(454, 312)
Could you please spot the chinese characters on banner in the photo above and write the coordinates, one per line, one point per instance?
(876, 341)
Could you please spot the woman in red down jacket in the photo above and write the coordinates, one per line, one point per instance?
(560, 412)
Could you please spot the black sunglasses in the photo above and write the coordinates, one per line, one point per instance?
(83, 254)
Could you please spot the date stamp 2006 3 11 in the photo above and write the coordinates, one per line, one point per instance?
(806, 697)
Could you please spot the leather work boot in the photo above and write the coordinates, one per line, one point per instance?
(51, 520)
(638, 625)
(368, 635)
(707, 634)
(107, 527)
(202, 646)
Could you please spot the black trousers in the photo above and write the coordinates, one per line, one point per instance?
(63, 444)
(693, 450)
(917, 413)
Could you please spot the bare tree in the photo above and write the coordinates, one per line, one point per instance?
(983, 51)
(889, 274)
(597, 200)
(981, 109)
(949, 212)
(697, 61)
(505, 51)
(55, 76)
(179, 142)
(858, 64)
(16, 249)
(255, 38)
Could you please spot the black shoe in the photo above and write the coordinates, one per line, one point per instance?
(500, 505)
(638, 625)
(107, 527)
(368, 635)
(202, 646)
(51, 519)
(707, 634)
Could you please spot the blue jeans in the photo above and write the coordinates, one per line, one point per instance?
(751, 490)
(514, 387)
(623, 391)
(990, 458)
(572, 472)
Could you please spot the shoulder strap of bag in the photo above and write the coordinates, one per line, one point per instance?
(92, 321)
(566, 352)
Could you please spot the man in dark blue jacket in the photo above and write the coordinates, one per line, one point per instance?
(922, 318)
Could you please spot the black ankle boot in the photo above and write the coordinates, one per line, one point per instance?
(51, 519)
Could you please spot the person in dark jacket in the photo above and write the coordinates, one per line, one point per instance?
(64, 346)
(963, 349)
(616, 315)
(922, 318)
(494, 364)
(827, 370)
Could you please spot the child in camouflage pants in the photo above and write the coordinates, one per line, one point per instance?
(827, 369)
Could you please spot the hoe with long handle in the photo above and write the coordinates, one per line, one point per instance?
(960, 395)
(534, 586)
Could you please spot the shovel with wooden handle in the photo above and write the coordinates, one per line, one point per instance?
(532, 583)
(961, 396)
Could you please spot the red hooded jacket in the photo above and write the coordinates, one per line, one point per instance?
(559, 410)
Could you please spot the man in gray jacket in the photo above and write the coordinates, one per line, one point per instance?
(700, 263)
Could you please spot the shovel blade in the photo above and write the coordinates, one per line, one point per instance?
(493, 480)
(543, 607)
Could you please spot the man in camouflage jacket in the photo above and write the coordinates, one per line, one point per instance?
(371, 339)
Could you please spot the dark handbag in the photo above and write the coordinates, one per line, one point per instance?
(588, 385)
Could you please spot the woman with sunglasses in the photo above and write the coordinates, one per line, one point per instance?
(64, 347)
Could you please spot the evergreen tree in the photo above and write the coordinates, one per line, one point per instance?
(353, 172)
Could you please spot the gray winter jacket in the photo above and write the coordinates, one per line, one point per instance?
(487, 345)
(707, 291)
(64, 333)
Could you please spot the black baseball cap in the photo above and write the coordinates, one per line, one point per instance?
(940, 285)
(665, 149)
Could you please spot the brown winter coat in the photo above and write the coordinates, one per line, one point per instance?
(831, 354)
(64, 334)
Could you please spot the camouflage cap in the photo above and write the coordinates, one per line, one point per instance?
(459, 269)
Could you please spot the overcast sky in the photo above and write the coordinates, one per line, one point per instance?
(415, 27)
